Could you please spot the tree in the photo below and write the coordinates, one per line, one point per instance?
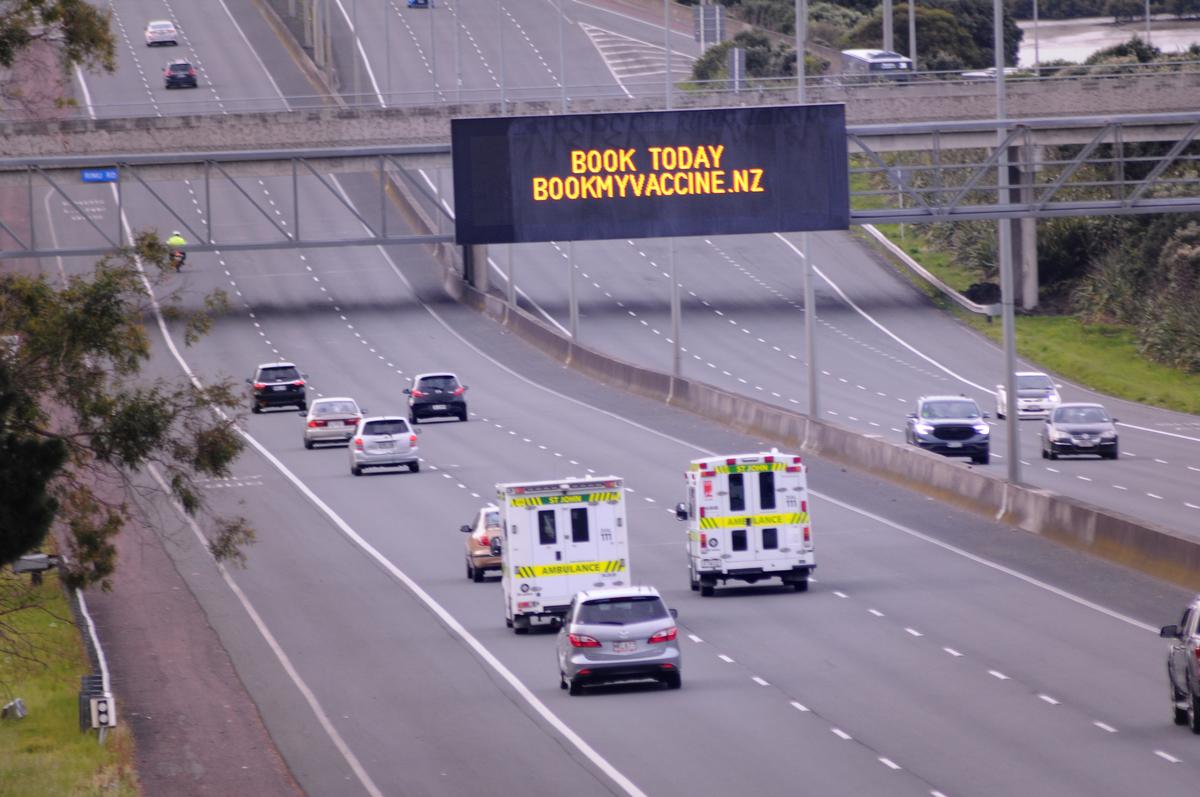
(1123, 10)
(80, 30)
(79, 423)
(764, 59)
(952, 33)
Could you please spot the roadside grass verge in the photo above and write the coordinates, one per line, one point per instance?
(45, 754)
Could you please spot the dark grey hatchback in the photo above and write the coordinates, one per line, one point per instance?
(1079, 429)
(436, 396)
(277, 385)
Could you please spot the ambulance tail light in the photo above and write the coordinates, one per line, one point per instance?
(768, 459)
(731, 461)
(804, 507)
(582, 641)
(665, 635)
(703, 540)
(808, 538)
(708, 473)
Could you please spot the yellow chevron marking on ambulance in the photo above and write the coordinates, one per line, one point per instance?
(558, 500)
(570, 568)
(734, 521)
(761, 467)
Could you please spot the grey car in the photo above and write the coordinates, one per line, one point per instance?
(618, 634)
(1079, 429)
(1183, 666)
(331, 420)
(385, 441)
(950, 425)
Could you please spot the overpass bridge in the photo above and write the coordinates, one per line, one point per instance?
(932, 171)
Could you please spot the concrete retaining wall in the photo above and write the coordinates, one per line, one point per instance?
(1159, 552)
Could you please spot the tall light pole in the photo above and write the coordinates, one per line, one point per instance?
(888, 38)
(1147, 21)
(912, 33)
(1007, 288)
(667, 45)
(810, 301)
(1037, 56)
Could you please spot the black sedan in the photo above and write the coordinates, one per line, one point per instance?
(1079, 429)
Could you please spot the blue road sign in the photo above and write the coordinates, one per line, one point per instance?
(98, 175)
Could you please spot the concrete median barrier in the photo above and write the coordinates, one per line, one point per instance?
(1154, 550)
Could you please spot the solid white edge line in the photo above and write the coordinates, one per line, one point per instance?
(254, 52)
(1159, 431)
(331, 732)
(87, 95)
(91, 626)
(361, 51)
(282, 657)
(987, 563)
(880, 326)
(552, 719)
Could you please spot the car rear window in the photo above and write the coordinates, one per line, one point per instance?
(491, 519)
(394, 426)
(287, 374)
(438, 383)
(180, 67)
(160, 26)
(336, 408)
(621, 611)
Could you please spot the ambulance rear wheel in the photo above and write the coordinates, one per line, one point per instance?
(508, 621)
(707, 588)
(801, 584)
(693, 581)
(520, 625)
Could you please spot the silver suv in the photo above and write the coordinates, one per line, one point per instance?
(618, 634)
(383, 442)
(950, 425)
(1183, 661)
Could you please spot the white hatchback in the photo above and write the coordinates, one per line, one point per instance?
(161, 31)
(1037, 395)
(385, 441)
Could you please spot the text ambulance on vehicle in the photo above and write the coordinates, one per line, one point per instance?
(747, 520)
(560, 537)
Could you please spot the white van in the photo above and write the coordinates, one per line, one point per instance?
(560, 537)
(748, 520)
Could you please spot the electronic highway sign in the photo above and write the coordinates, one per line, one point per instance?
(654, 174)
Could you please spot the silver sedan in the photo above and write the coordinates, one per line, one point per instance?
(331, 420)
(618, 634)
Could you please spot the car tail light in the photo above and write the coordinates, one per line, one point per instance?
(192, 72)
(417, 393)
(259, 385)
(1196, 653)
(298, 383)
(665, 635)
(458, 391)
(483, 539)
(351, 421)
(666, 666)
(582, 641)
(358, 443)
(316, 424)
(412, 439)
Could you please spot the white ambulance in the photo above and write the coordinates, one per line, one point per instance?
(747, 520)
(560, 537)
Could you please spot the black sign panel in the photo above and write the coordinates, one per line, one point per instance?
(650, 175)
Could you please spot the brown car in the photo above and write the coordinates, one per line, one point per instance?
(483, 538)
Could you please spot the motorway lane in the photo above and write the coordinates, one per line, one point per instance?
(672, 564)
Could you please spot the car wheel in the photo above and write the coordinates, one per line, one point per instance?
(1113, 455)
(476, 575)
(982, 459)
(415, 467)
(673, 680)
(1193, 713)
(462, 416)
(413, 419)
(1051, 455)
(1044, 454)
(303, 405)
(562, 680)
(255, 408)
(1180, 714)
(308, 444)
(574, 689)
(356, 470)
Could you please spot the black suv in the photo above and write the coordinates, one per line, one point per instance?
(434, 395)
(277, 385)
(1183, 661)
(180, 73)
(950, 425)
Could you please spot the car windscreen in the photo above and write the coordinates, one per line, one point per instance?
(335, 408)
(395, 426)
(621, 611)
(1034, 382)
(1081, 415)
(286, 374)
(446, 383)
(935, 410)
